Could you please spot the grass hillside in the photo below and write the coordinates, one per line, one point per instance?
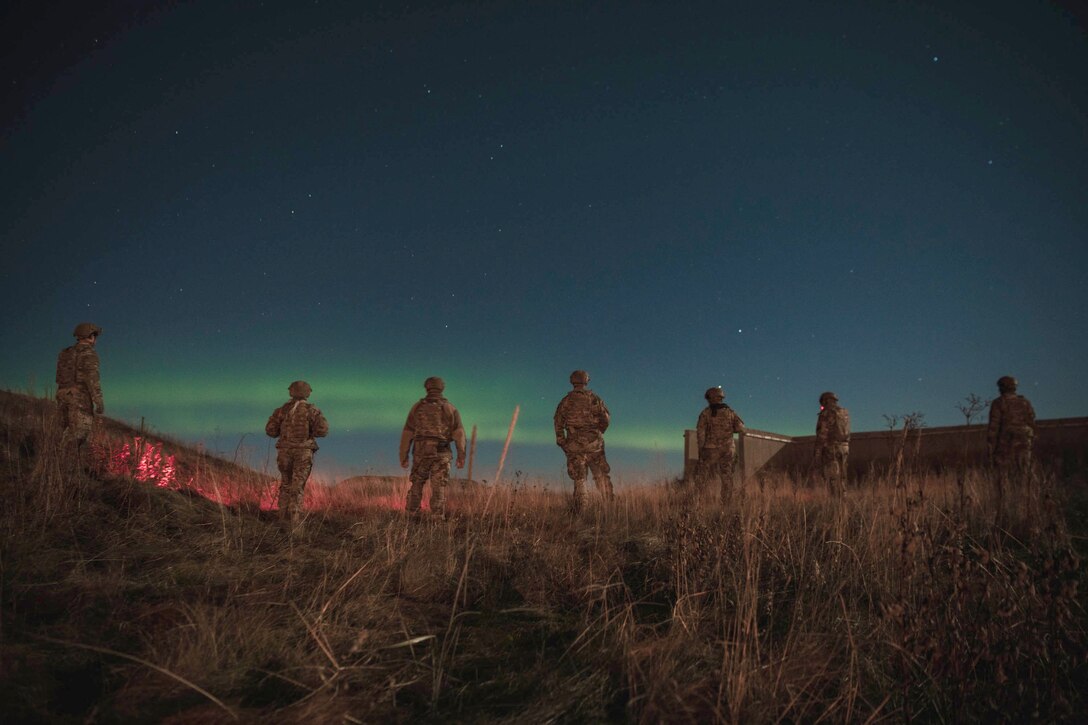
(157, 586)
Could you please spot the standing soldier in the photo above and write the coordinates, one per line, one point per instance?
(717, 451)
(832, 443)
(1012, 428)
(79, 393)
(581, 418)
(433, 423)
(296, 423)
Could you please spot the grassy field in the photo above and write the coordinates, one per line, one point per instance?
(159, 587)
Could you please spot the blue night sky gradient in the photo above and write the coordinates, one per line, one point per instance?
(886, 200)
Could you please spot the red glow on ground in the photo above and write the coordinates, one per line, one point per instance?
(144, 461)
(147, 461)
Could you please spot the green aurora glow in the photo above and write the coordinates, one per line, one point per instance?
(194, 407)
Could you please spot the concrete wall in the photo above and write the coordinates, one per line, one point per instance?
(756, 449)
(761, 450)
(1061, 442)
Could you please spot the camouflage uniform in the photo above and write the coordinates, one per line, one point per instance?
(79, 392)
(832, 443)
(1012, 428)
(717, 450)
(433, 423)
(581, 418)
(296, 424)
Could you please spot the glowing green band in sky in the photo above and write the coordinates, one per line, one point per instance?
(195, 407)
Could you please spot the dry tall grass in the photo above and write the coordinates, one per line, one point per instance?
(125, 601)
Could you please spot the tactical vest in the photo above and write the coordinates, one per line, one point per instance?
(838, 430)
(720, 427)
(582, 410)
(1016, 414)
(431, 420)
(295, 426)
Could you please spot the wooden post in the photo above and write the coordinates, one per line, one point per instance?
(471, 455)
(506, 445)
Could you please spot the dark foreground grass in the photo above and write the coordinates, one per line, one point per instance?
(126, 601)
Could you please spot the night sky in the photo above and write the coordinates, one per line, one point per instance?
(884, 199)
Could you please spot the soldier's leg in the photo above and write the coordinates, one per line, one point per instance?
(440, 479)
(576, 469)
(598, 464)
(62, 415)
(835, 473)
(84, 422)
(709, 462)
(826, 465)
(704, 469)
(285, 463)
(999, 473)
(64, 418)
(77, 419)
(725, 469)
(1021, 455)
(303, 463)
(843, 458)
(420, 471)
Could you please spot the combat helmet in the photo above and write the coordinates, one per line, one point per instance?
(1006, 384)
(435, 384)
(86, 329)
(300, 389)
(579, 377)
(715, 393)
(825, 397)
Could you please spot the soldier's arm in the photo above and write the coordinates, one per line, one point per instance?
(405, 447)
(821, 435)
(458, 438)
(406, 436)
(604, 418)
(272, 427)
(700, 429)
(559, 423)
(319, 427)
(994, 427)
(738, 424)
